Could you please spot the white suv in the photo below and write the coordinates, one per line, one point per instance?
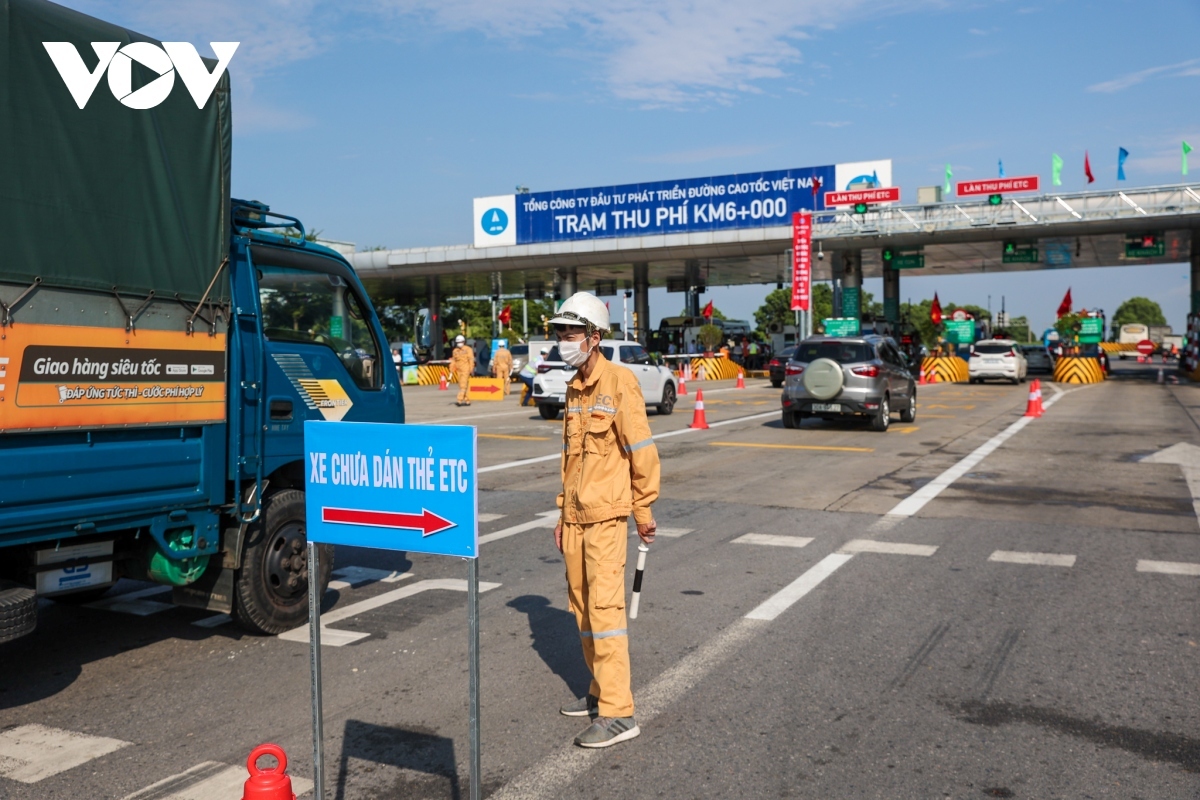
(657, 382)
(997, 358)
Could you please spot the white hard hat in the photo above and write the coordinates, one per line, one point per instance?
(545, 350)
(460, 339)
(582, 308)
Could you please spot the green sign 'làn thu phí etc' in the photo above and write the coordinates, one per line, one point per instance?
(1091, 330)
(841, 326)
(960, 331)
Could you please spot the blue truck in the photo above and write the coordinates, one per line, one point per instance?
(161, 345)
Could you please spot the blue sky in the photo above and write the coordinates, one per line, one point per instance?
(377, 121)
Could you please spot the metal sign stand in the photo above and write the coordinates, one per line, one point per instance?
(473, 657)
(314, 664)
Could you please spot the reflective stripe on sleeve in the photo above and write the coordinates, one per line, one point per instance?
(629, 448)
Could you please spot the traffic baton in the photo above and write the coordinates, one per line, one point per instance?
(643, 548)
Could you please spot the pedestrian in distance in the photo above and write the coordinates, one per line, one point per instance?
(610, 469)
(528, 373)
(462, 364)
(502, 365)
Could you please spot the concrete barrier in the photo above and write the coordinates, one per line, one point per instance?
(1078, 369)
(947, 369)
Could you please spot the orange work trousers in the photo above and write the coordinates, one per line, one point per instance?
(464, 389)
(595, 559)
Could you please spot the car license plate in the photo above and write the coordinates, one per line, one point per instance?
(827, 407)
(991, 361)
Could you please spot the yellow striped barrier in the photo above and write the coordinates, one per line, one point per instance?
(431, 374)
(1118, 347)
(946, 369)
(715, 368)
(1078, 369)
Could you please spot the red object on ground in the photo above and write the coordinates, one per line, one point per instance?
(442, 385)
(1146, 347)
(1031, 407)
(271, 784)
(698, 420)
(682, 385)
(741, 384)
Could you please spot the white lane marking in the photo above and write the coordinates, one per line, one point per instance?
(214, 621)
(133, 602)
(210, 780)
(890, 548)
(785, 597)
(452, 420)
(549, 778)
(680, 432)
(546, 519)
(351, 576)
(490, 517)
(1039, 559)
(670, 533)
(772, 540)
(29, 753)
(335, 638)
(1168, 567)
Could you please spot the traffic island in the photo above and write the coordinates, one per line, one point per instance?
(1078, 369)
(944, 369)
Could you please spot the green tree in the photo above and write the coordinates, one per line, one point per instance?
(776, 307)
(822, 302)
(1137, 309)
(1066, 325)
(710, 336)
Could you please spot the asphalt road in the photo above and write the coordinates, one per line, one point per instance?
(967, 606)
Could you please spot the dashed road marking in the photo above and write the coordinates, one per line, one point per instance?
(890, 548)
(513, 436)
(545, 519)
(352, 576)
(485, 517)
(336, 638)
(30, 753)
(210, 780)
(1168, 567)
(782, 600)
(913, 429)
(772, 540)
(1039, 559)
(795, 447)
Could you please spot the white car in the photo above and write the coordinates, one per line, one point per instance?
(657, 382)
(997, 358)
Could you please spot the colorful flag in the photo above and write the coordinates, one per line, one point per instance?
(1087, 168)
(1056, 163)
(1001, 167)
(949, 175)
(1187, 148)
(1064, 307)
(708, 311)
(505, 315)
(1122, 154)
(935, 311)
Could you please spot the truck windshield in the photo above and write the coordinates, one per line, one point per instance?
(319, 308)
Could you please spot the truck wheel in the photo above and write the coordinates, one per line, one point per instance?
(272, 584)
(18, 611)
(668, 400)
(548, 411)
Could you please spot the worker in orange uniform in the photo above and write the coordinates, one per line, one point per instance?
(610, 470)
(462, 364)
(502, 365)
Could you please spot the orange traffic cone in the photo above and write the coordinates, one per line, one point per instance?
(698, 420)
(741, 384)
(932, 376)
(268, 784)
(442, 384)
(682, 386)
(1037, 390)
(1031, 406)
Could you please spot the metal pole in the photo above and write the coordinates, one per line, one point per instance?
(525, 317)
(473, 657)
(314, 665)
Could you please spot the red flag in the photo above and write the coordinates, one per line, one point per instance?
(935, 311)
(1087, 170)
(1064, 307)
(708, 311)
(816, 185)
(505, 315)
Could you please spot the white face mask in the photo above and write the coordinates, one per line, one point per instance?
(573, 353)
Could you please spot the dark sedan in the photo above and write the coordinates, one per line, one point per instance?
(777, 364)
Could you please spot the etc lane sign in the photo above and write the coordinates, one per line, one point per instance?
(392, 487)
(1026, 183)
(726, 202)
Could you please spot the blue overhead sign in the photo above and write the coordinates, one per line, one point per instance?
(392, 487)
(746, 200)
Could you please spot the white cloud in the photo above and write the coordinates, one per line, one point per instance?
(1182, 69)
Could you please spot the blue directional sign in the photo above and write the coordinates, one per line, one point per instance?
(393, 487)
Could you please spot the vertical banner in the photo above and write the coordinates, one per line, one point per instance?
(801, 260)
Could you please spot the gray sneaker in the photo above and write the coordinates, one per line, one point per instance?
(605, 731)
(586, 706)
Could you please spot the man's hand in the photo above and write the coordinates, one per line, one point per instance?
(647, 530)
(558, 536)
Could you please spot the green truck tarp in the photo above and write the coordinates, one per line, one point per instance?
(106, 196)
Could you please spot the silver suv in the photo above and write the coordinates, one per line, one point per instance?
(830, 377)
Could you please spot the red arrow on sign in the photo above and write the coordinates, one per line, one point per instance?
(427, 522)
(490, 388)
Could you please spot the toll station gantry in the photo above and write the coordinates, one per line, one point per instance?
(996, 233)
